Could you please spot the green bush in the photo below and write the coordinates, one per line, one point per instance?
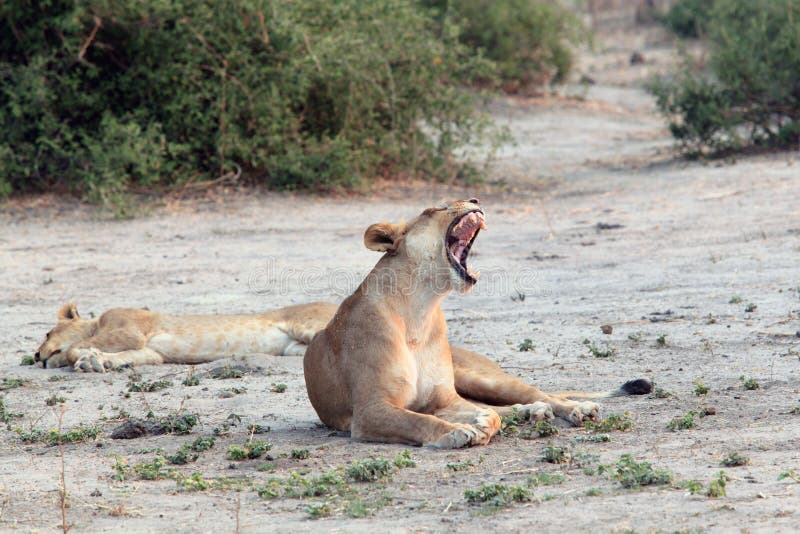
(750, 93)
(688, 18)
(105, 96)
(531, 41)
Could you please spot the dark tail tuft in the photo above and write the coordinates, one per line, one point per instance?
(640, 386)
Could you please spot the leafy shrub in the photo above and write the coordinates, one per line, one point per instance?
(750, 93)
(105, 96)
(531, 41)
(688, 18)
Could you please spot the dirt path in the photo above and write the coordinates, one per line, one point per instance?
(596, 224)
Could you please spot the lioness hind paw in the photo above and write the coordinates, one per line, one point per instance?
(536, 411)
(584, 411)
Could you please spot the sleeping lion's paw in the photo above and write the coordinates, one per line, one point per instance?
(487, 421)
(461, 436)
(584, 411)
(537, 411)
(92, 361)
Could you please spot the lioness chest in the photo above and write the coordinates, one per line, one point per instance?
(428, 377)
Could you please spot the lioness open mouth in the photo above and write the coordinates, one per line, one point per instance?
(458, 240)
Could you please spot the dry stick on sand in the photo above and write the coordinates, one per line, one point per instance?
(63, 490)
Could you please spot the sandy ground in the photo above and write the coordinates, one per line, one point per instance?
(694, 246)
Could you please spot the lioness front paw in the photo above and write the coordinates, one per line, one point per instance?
(584, 411)
(537, 411)
(91, 361)
(461, 436)
(488, 422)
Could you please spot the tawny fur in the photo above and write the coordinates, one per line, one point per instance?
(381, 366)
(124, 336)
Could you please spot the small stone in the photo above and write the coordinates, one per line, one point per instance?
(709, 410)
(607, 329)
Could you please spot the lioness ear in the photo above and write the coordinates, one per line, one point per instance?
(384, 236)
(67, 312)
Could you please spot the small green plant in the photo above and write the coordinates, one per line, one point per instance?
(593, 492)
(248, 451)
(526, 345)
(148, 387)
(152, 470)
(791, 474)
(459, 466)
(191, 380)
(370, 470)
(183, 456)
(120, 467)
(750, 308)
(195, 482)
(279, 388)
(631, 474)
(544, 429)
(318, 510)
(736, 299)
(403, 459)
(556, 455)
(716, 488)
(660, 393)
(54, 399)
(621, 423)
(509, 424)
(202, 444)
(597, 351)
(177, 424)
(661, 341)
(683, 422)
(497, 495)
(227, 372)
(734, 459)
(5, 415)
(694, 487)
(544, 478)
(27, 360)
(300, 454)
(11, 383)
(53, 437)
(750, 383)
(700, 388)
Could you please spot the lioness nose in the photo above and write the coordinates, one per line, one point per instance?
(474, 201)
(36, 357)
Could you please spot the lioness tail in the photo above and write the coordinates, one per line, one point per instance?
(640, 386)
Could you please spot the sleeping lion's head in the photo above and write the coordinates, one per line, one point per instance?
(70, 328)
(436, 244)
